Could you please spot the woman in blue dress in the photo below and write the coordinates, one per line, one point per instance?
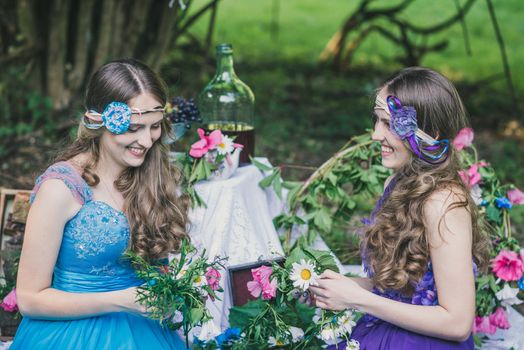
(113, 189)
(423, 241)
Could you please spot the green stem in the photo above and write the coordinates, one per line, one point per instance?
(475, 154)
(507, 224)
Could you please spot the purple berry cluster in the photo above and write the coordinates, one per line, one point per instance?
(184, 111)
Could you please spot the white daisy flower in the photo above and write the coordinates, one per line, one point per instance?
(508, 295)
(353, 345)
(272, 341)
(226, 146)
(303, 274)
(181, 273)
(199, 281)
(329, 335)
(177, 317)
(346, 323)
(297, 334)
(208, 331)
(476, 194)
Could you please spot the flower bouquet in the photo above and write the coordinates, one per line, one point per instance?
(175, 294)
(213, 157)
(503, 285)
(278, 318)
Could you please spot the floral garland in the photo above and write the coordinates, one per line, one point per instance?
(503, 285)
(281, 316)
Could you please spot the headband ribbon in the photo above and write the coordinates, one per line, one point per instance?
(116, 117)
(403, 123)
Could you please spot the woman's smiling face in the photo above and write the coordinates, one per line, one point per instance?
(130, 148)
(395, 154)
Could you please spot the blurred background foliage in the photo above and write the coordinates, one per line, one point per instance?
(312, 95)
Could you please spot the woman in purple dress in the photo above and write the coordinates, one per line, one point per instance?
(423, 242)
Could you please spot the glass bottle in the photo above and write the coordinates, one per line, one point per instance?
(227, 104)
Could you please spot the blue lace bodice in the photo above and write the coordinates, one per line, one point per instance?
(90, 256)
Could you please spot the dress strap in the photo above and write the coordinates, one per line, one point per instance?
(69, 175)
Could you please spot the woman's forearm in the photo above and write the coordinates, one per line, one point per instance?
(55, 304)
(434, 321)
(364, 282)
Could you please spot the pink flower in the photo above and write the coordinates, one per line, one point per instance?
(164, 269)
(516, 196)
(213, 278)
(471, 177)
(507, 265)
(206, 143)
(463, 139)
(9, 303)
(499, 319)
(269, 290)
(483, 325)
(261, 283)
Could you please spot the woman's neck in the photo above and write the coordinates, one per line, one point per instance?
(108, 169)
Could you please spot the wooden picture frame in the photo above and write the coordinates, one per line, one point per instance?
(14, 206)
(239, 275)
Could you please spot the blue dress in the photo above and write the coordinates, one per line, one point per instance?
(89, 261)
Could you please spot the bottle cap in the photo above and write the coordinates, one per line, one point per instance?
(225, 48)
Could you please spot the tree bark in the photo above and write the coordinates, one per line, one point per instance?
(64, 41)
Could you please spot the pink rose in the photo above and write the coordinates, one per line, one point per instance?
(483, 325)
(261, 283)
(507, 265)
(213, 278)
(516, 196)
(463, 139)
(9, 303)
(206, 143)
(499, 319)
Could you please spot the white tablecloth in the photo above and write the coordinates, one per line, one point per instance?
(237, 223)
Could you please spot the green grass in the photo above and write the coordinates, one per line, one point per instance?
(305, 26)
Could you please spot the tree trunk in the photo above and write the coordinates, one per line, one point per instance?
(64, 41)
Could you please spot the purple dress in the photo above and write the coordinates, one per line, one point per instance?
(375, 334)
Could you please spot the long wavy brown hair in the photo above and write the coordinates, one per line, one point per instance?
(396, 245)
(157, 214)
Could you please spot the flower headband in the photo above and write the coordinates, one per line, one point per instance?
(116, 117)
(403, 123)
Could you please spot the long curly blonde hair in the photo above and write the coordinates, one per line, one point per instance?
(157, 214)
(395, 245)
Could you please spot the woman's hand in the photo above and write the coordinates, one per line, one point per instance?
(336, 292)
(128, 303)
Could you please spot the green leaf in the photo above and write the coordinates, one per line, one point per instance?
(196, 315)
(277, 186)
(241, 316)
(261, 166)
(493, 213)
(324, 259)
(323, 219)
(268, 180)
